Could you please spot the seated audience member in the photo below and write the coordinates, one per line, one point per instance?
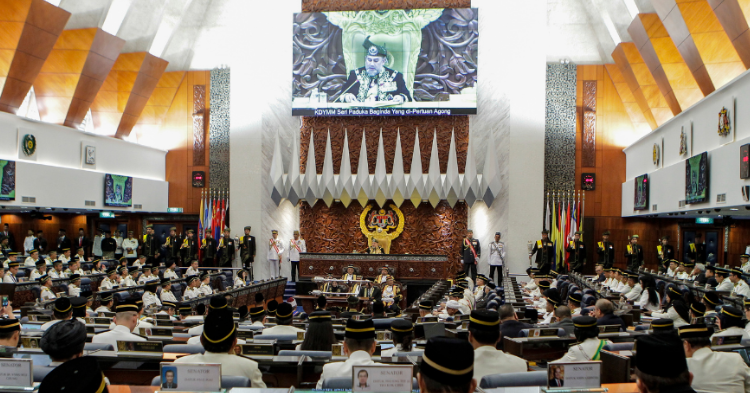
(170, 272)
(599, 273)
(676, 308)
(634, 294)
(564, 320)
(351, 302)
(359, 345)
(378, 310)
(46, 293)
(698, 275)
(589, 345)
(79, 307)
(149, 295)
(319, 335)
(168, 308)
(41, 270)
(451, 309)
(10, 333)
(711, 276)
(64, 342)
(271, 307)
(105, 305)
(722, 278)
(10, 275)
(185, 311)
(711, 300)
(241, 279)
(719, 372)
(320, 303)
(730, 322)
(698, 310)
(574, 303)
(166, 294)
(192, 290)
(649, 299)
(662, 326)
(660, 365)
(61, 311)
(447, 366)
(81, 375)
(193, 269)
(74, 289)
(484, 334)
(402, 332)
(510, 326)
(125, 321)
(219, 339)
(284, 319)
(425, 308)
(258, 316)
(205, 287)
(604, 312)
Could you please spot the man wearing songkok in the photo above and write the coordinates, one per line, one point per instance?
(724, 285)
(125, 320)
(110, 281)
(258, 316)
(574, 302)
(166, 291)
(10, 276)
(64, 342)
(168, 308)
(46, 292)
(62, 310)
(745, 263)
(662, 326)
(147, 276)
(170, 272)
(402, 332)
(79, 307)
(660, 365)
(719, 372)
(482, 281)
(284, 316)
(41, 269)
(149, 295)
(10, 333)
(81, 375)
(729, 320)
(352, 302)
(192, 290)
(105, 305)
(359, 345)
(219, 338)
(447, 366)
(484, 334)
(740, 286)
(589, 345)
(57, 270)
(425, 308)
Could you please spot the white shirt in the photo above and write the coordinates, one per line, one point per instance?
(644, 302)
(670, 272)
(497, 255)
(672, 314)
(625, 289)
(171, 274)
(74, 290)
(118, 241)
(725, 286)
(29, 262)
(119, 333)
(167, 296)
(741, 288)
(192, 272)
(63, 259)
(47, 294)
(106, 284)
(128, 282)
(35, 274)
(238, 282)
(488, 361)
(272, 254)
(718, 372)
(191, 293)
(144, 279)
(28, 243)
(282, 329)
(230, 365)
(733, 331)
(344, 369)
(205, 289)
(478, 293)
(55, 274)
(132, 244)
(634, 293)
(50, 323)
(150, 298)
(745, 267)
(97, 248)
(583, 352)
(102, 309)
(293, 252)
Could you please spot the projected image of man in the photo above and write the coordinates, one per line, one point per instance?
(375, 82)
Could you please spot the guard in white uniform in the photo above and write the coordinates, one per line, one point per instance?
(296, 246)
(713, 371)
(361, 331)
(46, 294)
(497, 258)
(484, 334)
(275, 250)
(126, 321)
(589, 345)
(219, 339)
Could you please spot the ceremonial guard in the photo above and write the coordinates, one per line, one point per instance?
(497, 258)
(275, 250)
(150, 245)
(209, 247)
(606, 251)
(130, 247)
(41, 270)
(189, 248)
(166, 291)
(545, 253)
(46, 293)
(57, 270)
(697, 249)
(227, 247)
(247, 251)
(664, 252)
(576, 253)
(471, 251)
(110, 281)
(296, 246)
(173, 244)
(634, 254)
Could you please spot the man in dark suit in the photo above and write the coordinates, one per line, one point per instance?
(62, 242)
(370, 291)
(9, 235)
(509, 324)
(711, 276)
(470, 253)
(564, 320)
(557, 380)
(604, 312)
(40, 243)
(247, 251)
(83, 242)
(169, 383)
(352, 302)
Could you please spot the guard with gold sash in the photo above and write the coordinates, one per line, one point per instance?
(209, 245)
(664, 252)
(697, 249)
(150, 245)
(471, 250)
(606, 251)
(545, 253)
(189, 247)
(226, 246)
(576, 253)
(634, 254)
(174, 240)
(247, 251)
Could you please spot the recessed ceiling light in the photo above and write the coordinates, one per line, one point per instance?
(733, 209)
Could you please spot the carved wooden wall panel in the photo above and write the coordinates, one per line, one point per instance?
(588, 143)
(372, 126)
(355, 5)
(199, 125)
(426, 230)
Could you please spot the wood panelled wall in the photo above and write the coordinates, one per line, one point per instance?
(179, 124)
(19, 224)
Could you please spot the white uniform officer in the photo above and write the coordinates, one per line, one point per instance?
(484, 334)
(589, 345)
(126, 320)
(166, 291)
(360, 333)
(712, 371)
(275, 250)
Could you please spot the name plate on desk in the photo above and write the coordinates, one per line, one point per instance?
(300, 335)
(140, 346)
(383, 335)
(726, 340)
(162, 316)
(257, 349)
(609, 329)
(545, 332)
(245, 334)
(574, 375)
(164, 322)
(40, 318)
(98, 321)
(432, 318)
(190, 377)
(31, 342)
(156, 332)
(337, 349)
(106, 314)
(16, 373)
(382, 378)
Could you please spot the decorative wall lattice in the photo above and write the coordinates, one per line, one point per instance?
(560, 128)
(219, 129)
(199, 125)
(588, 142)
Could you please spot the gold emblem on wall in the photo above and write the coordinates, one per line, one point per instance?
(384, 225)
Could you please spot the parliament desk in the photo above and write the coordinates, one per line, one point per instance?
(405, 266)
(611, 388)
(308, 302)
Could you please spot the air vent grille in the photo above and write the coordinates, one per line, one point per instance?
(681, 203)
(653, 208)
(137, 206)
(90, 203)
(721, 198)
(28, 199)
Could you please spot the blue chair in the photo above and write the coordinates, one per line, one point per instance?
(85, 284)
(589, 291)
(40, 372)
(639, 328)
(98, 347)
(184, 348)
(63, 287)
(227, 382)
(312, 354)
(277, 337)
(345, 383)
(533, 378)
(618, 347)
(588, 300)
(36, 291)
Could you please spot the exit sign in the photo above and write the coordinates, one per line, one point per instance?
(106, 215)
(704, 220)
(174, 210)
